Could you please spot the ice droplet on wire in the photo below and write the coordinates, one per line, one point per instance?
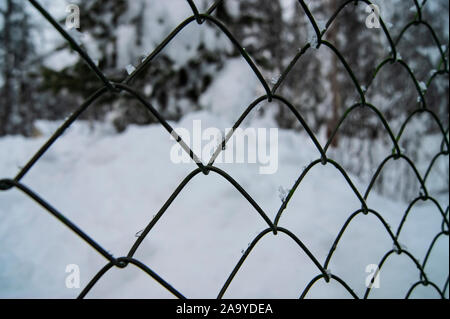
(283, 193)
(423, 86)
(274, 79)
(422, 192)
(139, 233)
(130, 69)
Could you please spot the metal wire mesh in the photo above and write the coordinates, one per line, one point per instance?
(271, 94)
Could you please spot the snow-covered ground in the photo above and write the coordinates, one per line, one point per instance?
(111, 185)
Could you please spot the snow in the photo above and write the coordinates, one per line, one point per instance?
(111, 185)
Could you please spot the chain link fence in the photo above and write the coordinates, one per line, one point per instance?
(271, 94)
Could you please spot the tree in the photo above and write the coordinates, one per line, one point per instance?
(120, 36)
